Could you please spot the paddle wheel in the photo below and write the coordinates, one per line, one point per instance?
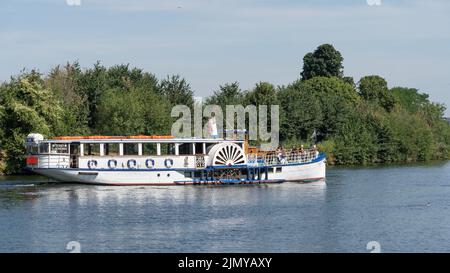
(227, 154)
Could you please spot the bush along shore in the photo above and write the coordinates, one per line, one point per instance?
(362, 122)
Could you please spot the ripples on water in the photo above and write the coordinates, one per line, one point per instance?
(403, 208)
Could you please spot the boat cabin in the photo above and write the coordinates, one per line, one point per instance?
(120, 151)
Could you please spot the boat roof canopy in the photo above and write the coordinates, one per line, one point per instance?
(135, 139)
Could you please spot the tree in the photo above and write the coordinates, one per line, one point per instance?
(135, 112)
(374, 89)
(325, 61)
(350, 81)
(337, 100)
(264, 93)
(410, 98)
(228, 94)
(92, 83)
(177, 91)
(26, 106)
(356, 141)
(63, 82)
(301, 112)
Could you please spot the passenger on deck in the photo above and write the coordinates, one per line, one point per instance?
(302, 153)
(315, 152)
(281, 155)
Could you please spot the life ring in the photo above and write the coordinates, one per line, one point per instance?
(168, 162)
(131, 163)
(112, 163)
(150, 163)
(92, 164)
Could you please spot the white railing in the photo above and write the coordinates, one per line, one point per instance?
(54, 161)
(288, 157)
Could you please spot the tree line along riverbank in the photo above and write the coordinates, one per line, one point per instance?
(356, 122)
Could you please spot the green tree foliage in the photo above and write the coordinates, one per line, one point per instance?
(325, 61)
(93, 82)
(134, 112)
(228, 94)
(337, 99)
(26, 106)
(374, 89)
(63, 81)
(177, 91)
(118, 100)
(363, 124)
(301, 112)
(264, 93)
(356, 142)
(409, 98)
(321, 104)
(350, 81)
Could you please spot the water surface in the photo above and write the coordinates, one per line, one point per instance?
(404, 208)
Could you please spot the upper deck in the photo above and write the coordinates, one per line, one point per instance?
(136, 139)
(128, 152)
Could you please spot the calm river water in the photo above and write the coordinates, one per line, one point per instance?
(403, 208)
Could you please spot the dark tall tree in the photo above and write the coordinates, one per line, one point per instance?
(325, 61)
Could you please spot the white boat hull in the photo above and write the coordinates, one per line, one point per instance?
(280, 173)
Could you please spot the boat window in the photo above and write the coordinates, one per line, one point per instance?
(32, 149)
(92, 149)
(167, 148)
(278, 170)
(149, 149)
(74, 149)
(43, 148)
(185, 149)
(199, 149)
(112, 149)
(59, 148)
(188, 174)
(130, 149)
(209, 146)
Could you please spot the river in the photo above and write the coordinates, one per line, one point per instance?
(396, 208)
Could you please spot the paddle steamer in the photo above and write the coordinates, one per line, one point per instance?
(165, 160)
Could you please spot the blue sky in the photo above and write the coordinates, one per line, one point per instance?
(211, 42)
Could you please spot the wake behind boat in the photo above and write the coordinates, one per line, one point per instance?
(165, 160)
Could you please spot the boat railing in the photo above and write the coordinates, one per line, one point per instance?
(54, 161)
(286, 157)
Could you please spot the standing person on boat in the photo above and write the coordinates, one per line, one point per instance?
(315, 152)
(280, 154)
